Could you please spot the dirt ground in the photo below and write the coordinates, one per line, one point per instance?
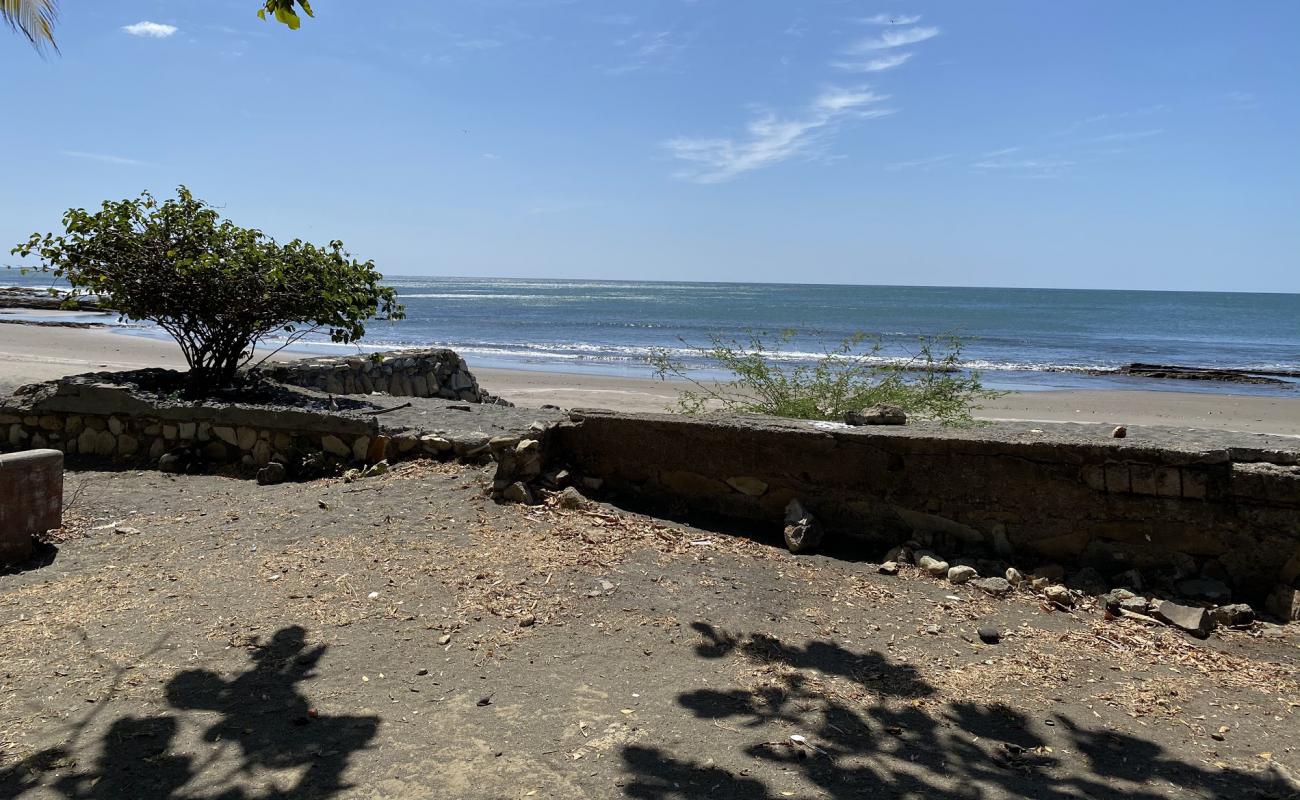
(405, 637)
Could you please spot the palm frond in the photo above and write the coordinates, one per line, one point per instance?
(33, 19)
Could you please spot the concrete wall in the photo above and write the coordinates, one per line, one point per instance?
(31, 500)
(1041, 495)
(437, 372)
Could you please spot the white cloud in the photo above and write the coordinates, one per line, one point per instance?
(106, 159)
(1003, 152)
(1025, 168)
(150, 30)
(770, 140)
(891, 39)
(874, 65)
(893, 19)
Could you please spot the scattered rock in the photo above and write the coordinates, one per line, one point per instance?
(989, 634)
(1060, 595)
(518, 492)
(996, 587)
(802, 530)
(1207, 589)
(571, 499)
(888, 568)
(933, 630)
(962, 574)
(1120, 432)
(527, 621)
(1196, 621)
(171, 462)
(1284, 602)
(271, 474)
(1112, 599)
(936, 567)
(877, 415)
(1138, 605)
(444, 639)
(1233, 615)
(900, 555)
(1014, 577)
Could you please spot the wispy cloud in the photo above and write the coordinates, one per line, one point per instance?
(105, 158)
(893, 19)
(1025, 167)
(920, 163)
(1127, 136)
(1113, 116)
(648, 50)
(891, 39)
(150, 30)
(874, 65)
(1005, 151)
(770, 139)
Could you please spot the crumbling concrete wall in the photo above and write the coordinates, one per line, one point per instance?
(1059, 493)
(31, 500)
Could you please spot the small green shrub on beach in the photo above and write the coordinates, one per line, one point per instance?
(855, 374)
(217, 288)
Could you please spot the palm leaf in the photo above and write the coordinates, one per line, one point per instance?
(33, 19)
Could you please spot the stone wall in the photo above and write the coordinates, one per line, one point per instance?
(1157, 500)
(31, 501)
(404, 373)
(91, 416)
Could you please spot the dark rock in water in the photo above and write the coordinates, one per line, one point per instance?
(1233, 615)
(802, 530)
(877, 415)
(1205, 589)
(994, 586)
(1196, 621)
(1139, 370)
(989, 634)
(1119, 433)
(271, 474)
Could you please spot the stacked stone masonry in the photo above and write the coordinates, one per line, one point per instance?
(1068, 493)
(405, 373)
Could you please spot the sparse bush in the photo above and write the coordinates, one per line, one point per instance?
(855, 374)
(217, 288)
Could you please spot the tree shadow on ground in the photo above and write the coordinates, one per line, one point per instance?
(882, 735)
(264, 725)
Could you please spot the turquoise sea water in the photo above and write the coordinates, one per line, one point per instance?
(1018, 338)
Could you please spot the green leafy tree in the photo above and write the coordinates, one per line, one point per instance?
(853, 375)
(217, 288)
(283, 11)
(35, 18)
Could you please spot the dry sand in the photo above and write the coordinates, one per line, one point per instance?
(31, 353)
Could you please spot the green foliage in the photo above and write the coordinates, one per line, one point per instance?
(851, 376)
(283, 11)
(217, 288)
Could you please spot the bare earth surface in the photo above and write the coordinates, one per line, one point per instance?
(404, 637)
(38, 353)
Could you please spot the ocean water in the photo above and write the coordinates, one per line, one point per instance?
(1017, 338)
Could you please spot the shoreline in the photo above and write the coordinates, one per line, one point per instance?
(30, 353)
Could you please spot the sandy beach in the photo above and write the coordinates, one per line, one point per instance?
(30, 353)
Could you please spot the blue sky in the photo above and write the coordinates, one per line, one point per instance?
(1108, 144)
